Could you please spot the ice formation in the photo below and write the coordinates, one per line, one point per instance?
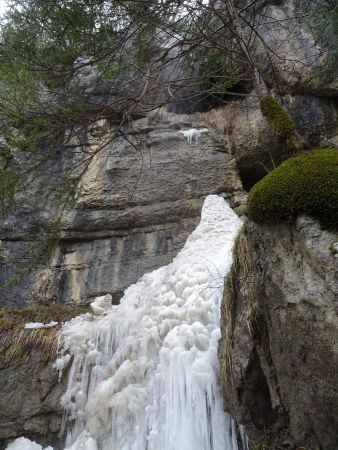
(101, 304)
(143, 374)
(193, 133)
(25, 444)
(38, 325)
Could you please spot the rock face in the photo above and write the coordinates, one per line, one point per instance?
(139, 202)
(254, 144)
(141, 198)
(30, 401)
(279, 352)
(284, 28)
(137, 207)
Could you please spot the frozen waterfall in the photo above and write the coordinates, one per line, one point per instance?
(143, 374)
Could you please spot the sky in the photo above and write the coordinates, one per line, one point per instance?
(3, 7)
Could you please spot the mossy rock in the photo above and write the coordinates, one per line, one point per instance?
(307, 183)
(280, 121)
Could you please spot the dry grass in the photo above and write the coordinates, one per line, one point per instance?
(240, 276)
(218, 120)
(17, 343)
(157, 114)
(16, 346)
(244, 273)
(215, 118)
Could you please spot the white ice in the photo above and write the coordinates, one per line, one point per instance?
(193, 133)
(144, 375)
(34, 325)
(101, 304)
(39, 325)
(25, 444)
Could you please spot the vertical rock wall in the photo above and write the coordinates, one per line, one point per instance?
(279, 350)
(139, 202)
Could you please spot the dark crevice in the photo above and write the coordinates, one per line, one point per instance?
(256, 395)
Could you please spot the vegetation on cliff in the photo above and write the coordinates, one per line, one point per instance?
(323, 18)
(281, 123)
(16, 342)
(307, 183)
(67, 66)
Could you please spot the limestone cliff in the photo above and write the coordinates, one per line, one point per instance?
(141, 198)
(134, 214)
(278, 352)
(30, 401)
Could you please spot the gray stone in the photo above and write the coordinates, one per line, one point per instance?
(30, 402)
(316, 117)
(286, 49)
(254, 144)
(281, 377)
(137, 204)
(252, 141)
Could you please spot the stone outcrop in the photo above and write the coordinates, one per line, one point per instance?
(140, 199)
(287, 49)
(30, 401)
(279, 353)
(254, 144)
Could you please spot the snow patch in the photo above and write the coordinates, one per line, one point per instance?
(25, 444)
(39, 325)
(193, 133)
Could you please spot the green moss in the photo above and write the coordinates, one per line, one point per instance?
(281, 123)
(266, 442)
(8, 184)
(16, 343)
(307, 183)
(333, 248)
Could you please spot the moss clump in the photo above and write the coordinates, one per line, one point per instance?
(307, 183)
(16, 342)
(281, 123)
(333, 248)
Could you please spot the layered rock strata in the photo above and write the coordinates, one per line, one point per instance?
(140, 199)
